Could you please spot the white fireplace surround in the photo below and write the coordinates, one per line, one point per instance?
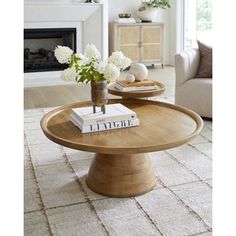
(89, 19)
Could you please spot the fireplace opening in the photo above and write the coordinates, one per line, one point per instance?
(39, 45)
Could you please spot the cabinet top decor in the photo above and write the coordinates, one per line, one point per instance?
(138, 24)
(163, 4)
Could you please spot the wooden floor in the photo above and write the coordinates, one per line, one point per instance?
(51, 96)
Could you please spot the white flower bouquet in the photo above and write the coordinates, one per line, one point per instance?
(90, 66)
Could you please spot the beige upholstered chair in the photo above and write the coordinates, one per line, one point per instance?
(193, 93)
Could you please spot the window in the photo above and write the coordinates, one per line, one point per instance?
(197, 22)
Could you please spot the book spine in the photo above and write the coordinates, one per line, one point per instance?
(104, 120)
(107, 126)
(129, 89)
(118, 86)
(135, 84)
(75, 117)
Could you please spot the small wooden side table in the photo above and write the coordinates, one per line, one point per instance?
(137, 94)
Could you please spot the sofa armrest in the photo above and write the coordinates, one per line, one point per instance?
(186, 65)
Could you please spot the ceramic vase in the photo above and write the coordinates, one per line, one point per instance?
(146, 14)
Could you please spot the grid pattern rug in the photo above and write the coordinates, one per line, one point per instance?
(58, 202)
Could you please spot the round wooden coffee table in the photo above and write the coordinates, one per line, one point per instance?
(121, 167)
(137, 94)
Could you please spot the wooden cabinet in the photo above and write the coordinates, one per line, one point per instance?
(141, 42)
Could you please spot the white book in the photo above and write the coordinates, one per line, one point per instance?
(114, 112)
(106, 126)
(138, 88)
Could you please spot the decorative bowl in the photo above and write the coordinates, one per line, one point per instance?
(124, 15)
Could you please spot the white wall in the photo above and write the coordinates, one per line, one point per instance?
(176, 19)
(121, 6)
(130, 6)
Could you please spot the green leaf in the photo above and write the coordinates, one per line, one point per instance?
(157, 4)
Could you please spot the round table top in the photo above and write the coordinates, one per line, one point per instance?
(137, 94)
(162, 126)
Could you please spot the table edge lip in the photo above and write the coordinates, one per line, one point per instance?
(117, 150)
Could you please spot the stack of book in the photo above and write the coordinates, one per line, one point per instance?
(117, 116)
(144, 85)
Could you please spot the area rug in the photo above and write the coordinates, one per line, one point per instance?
(58, 202)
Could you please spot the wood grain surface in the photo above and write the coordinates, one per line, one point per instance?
(162, 126)
(121, 175)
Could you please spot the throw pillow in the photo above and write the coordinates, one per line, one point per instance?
(205, 64)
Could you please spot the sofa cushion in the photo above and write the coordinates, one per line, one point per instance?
(205, 64)
(196, 94)
(186, 64)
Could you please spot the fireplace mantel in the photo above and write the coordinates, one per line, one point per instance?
(89, 19)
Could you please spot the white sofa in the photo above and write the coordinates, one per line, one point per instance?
(190, 92)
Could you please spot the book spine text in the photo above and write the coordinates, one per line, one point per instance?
(107, 125)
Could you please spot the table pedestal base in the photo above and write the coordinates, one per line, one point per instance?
(121, 175)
